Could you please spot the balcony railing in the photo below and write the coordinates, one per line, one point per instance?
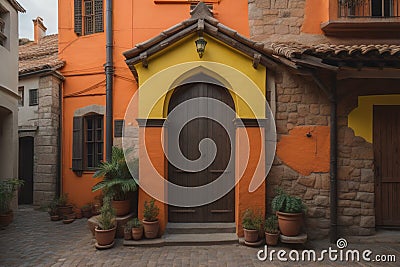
(369, 8)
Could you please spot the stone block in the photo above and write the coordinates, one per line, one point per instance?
(351, 211)
(316, 212)
(348, 196)
(310, 193)
(349, 203)
(292, 107)
(345, 220)
(314, 109)
(362, 153)
(321, 201)
(367, 187)
(367, 221)
(279, 3)
(367, 175)
(292, 118)
(365, 197)
(307, 181)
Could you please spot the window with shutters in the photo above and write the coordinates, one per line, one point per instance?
(88, 16)
(88, 144)
(93, 150)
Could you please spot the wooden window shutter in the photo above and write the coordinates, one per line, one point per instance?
(98, 16)
(77, 146)
(78, 17)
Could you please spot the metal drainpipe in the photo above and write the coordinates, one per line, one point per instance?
(109, 69)
(331, 93)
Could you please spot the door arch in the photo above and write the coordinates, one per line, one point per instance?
(190, 136)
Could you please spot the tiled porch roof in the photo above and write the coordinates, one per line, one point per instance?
(34, 57)
(339, 54)
(201, 20)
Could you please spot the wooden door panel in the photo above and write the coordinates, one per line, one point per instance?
(387, 167)
(190, 136)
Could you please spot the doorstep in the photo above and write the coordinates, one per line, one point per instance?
(186, 240)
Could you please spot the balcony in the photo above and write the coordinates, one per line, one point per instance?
(364, 19)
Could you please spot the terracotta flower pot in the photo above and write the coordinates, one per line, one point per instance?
(122, 207)
(104, 237)
(271, 239)
(137, 233)
(290, 223)
(151, 229)
(54, 217)
(250, 236)
(64, 210)
(87, 213)
(127, 234)
(6, 219)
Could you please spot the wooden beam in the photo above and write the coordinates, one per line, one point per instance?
(368, 73)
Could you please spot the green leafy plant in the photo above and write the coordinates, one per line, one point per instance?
(7, 189)
(286, 203)
(117, 180)
(271, 225)
(87, 207)
(135, 223)
(52, 207)
(63, 200)
(107, 215)
(150, 211)
(251, 220)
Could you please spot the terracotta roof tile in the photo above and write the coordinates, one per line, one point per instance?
(294, 50)
(33, 57)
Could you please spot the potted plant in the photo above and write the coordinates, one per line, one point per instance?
(128, 230)
(117, 181)
(271, 230)
(7, 191)
(53, 211)
(87, 210)
(289, 210)
(251, 225)
(63, 207)
(150, 220)
(106, 229)
(137, 229)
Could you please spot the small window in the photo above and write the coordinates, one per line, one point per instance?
(33, 97)
(93, 136)
(88, 16)
(3, 32)
(21, 96)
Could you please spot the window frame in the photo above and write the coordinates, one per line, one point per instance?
(96, 141)
(31, 98)
(21, 101)
(88, 17)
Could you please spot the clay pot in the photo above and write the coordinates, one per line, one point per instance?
(250, 236)
(271, 239)
(151, 229)
(64, 210)
(104, 237)
(290, 223)
(137, 233)
(127, 234)
(6, 219)
(87, 213)
(122, 207)
(54, 218)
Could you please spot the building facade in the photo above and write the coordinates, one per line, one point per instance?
(39, 111)
(325, 72)
(9, 88)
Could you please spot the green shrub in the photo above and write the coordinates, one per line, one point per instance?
(107, 215)
(251, 220)
(271, 225)
(7, 190)
(286, 203)
(150, 211)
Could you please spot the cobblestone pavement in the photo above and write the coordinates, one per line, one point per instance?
(33, 240)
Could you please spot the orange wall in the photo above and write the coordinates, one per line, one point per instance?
(134, 21)
(315, 13)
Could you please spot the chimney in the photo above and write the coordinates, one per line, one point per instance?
(39, 30)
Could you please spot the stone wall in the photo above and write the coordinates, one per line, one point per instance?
(301, 103)
(46, 141)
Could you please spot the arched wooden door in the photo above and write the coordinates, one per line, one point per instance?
(26, 153)
(222, 210)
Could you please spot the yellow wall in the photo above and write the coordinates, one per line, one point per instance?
(361, 118)
(235, 71)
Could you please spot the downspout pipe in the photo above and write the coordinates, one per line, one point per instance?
(109, 70)
(331, 93)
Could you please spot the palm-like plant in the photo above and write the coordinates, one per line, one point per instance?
(117, 179)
